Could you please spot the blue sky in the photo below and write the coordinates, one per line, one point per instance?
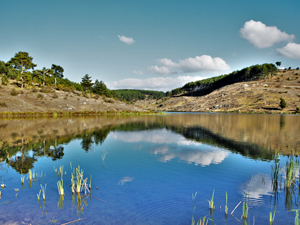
(157, 44)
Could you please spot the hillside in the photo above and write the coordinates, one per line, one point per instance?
(13, 99)
(259, 96)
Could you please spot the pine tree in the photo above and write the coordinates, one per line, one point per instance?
(86, 82)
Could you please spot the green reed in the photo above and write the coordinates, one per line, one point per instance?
(38, 195)
(245, 210)
(200, 221)
(226, 208)
(44, 191)
(272, 216)
(60, 186)
(297, 221)
(211, 202)
(22, 179)
(79, 179)
(290, 172)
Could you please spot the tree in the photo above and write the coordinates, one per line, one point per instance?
(45, 73)
(23, 62)
(86, 82)
(278, 64)
(282, 103)
(57, 72)
(101, 89)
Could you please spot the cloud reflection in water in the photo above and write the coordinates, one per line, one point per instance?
(172, 145)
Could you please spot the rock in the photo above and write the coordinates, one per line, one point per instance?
(245, 85)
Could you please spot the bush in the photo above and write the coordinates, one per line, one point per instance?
(14, 92)
(40, 96)
(297, 110)
(3, 104)
(54, 95)
(34, 90)
(282, 103)
(4, 80)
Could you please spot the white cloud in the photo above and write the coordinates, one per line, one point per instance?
(159, 70)
(262, 36)
(138, 72)
(291, 50)
(190, 65)
(186, 150)
(155, 83)
(126, 40)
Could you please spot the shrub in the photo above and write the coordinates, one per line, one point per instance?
(34, 90)
(54, 95)
(282, 103)
(297, 110)
(40, 96)
(4, 80)
(14, 92)
(3, 104)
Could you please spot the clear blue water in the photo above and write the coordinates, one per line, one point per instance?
(148, 177)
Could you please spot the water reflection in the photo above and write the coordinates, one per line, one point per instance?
(258, 186)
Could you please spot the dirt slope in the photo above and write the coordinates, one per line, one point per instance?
(32, 100)
(255, 96)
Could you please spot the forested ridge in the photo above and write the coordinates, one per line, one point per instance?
(20, 70)
(133, 94)
(206, 86)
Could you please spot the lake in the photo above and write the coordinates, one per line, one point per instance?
(155, 169)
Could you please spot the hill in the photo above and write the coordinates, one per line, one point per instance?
(133, 94)
(35, 99)
(254, 96)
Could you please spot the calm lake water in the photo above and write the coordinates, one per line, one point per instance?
(145, 168)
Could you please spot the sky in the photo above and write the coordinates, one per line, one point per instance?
(153, 45)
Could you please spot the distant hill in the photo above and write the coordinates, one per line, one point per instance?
(206, 86)
(133, 94)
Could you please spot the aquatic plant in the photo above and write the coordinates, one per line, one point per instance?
(3, 186)
(61, 171)
(60, 187)
(60, 203)
(194, 196)
(30, 175)
(297, 221)
(200, 221)
(72, 183)
(38, 195)
(245, 210)
(103, 155)
(290, 173)
(44, 191)
(272, 216)
(22, 179)
(211, 202)
(55, 170)
(226, 208)
(90, 186)
(79, 179)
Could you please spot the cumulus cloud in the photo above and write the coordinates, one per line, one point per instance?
(159, 70)
(126, 40)
(291, 50)
(262, 36)
(154, 83)
(184, 149)
(190, 65)
(138, 72)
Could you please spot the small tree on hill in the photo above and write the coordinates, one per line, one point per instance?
(23, 62)
(86, 82)
(57, 72)
(282, 103)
